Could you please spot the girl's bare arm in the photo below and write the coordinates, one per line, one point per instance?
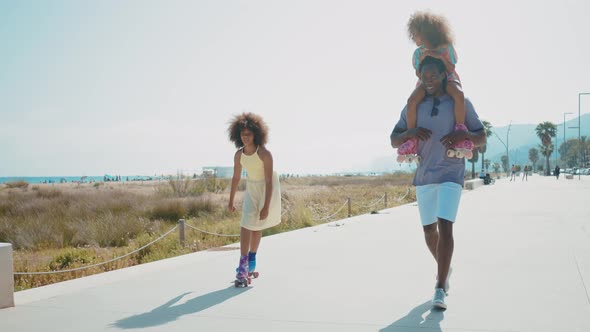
(235, 179)
(267, 160)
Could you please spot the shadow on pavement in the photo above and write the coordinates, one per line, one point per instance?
(414, 321)
(168, 312)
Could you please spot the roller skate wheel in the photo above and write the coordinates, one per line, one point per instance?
(410, 159)
(418, 160)
(254, 274)
(459, 155)
(401, 158)
(451, 153)
(239, 283)
(468, 154)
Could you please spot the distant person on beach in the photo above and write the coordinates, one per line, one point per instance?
(432, 34)
(261, 208)
(438, 179)
(556, 172)
(482, 174)
(513, 173)
(525, 173)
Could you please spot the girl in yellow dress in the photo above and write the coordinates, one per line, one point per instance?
(262, 201)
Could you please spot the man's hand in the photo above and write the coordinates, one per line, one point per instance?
(420, 133)
(454, 137)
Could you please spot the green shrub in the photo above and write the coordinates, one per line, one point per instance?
(169, 209)
(70, 258)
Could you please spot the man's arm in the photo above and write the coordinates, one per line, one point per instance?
(399, 136)
(478, 138)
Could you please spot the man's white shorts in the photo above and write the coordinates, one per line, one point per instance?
(439, 200)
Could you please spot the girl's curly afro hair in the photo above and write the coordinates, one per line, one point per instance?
(429, 27)
(250, 121)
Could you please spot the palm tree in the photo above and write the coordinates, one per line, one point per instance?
(534, 157)
(487, 127)
(546, 131)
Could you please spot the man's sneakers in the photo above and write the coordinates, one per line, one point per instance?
(438, 301)
(447, 283)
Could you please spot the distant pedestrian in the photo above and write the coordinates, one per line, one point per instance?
(261, 208)
(513, 173)
(525, 174)
(556, 172)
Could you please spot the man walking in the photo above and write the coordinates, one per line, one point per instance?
(438, 179)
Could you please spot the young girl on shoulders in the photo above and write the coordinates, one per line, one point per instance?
(432, 34)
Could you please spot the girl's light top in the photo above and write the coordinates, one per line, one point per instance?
(253, 165)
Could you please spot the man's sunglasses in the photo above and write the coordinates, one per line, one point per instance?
(434, 111)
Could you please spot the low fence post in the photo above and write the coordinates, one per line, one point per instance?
(6, 277)
(181, 231)
(385, 201)
(349, 208)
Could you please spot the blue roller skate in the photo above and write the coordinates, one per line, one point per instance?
(251, 266)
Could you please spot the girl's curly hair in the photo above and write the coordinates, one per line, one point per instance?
(431, 28)
(250, 121)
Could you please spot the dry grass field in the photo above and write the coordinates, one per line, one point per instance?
(56, 227)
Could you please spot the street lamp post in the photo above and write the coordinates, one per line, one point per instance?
(505, 145)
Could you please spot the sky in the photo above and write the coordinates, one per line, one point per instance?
(148, 87)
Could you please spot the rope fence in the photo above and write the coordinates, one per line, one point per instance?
(335, 213)
(103, 263)
(182, 223)
(370, 205)
(210, 233)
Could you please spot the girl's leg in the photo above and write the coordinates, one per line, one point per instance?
(459, 149)
(242, 270)
(255, 237)
(408, 149)
(456, 92)
(245, 236)
(417, 95)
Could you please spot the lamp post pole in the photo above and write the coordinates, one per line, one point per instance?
(506, 146)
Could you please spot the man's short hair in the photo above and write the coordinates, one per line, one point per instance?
(440, 65)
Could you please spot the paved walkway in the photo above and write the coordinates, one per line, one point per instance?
(522, 263)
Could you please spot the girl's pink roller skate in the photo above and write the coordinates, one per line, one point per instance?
(408, 152)
(242, 278)
(461, 149)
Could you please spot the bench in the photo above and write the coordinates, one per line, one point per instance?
(6, 277)
(472, 184)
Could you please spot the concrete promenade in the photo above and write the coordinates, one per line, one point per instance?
(521, 263)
